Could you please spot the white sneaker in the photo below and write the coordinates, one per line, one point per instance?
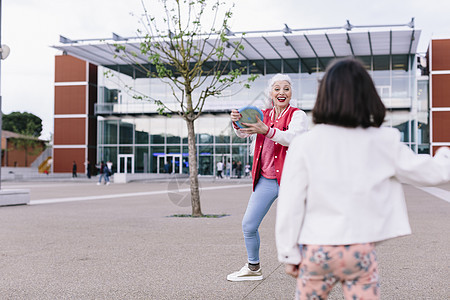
(107, 183)
(98, 183)
(245, 274)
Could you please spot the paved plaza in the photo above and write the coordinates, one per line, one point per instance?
(78, 240)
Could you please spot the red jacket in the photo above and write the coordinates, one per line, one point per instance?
(282, 123)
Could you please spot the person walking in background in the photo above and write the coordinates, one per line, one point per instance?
(103, 171)
(341, 189)
(247, 170)
(233, 168)
(88, 169)
(107, 172)
(74, 169)
(109, 164)
(272, 136)
(219, 169)
(238, 169)
(100, 172)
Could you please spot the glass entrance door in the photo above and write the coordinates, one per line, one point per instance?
(169, 163)
(176, 164)
(126, 163)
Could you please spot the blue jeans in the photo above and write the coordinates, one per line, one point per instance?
(266, 191)
(105, 176)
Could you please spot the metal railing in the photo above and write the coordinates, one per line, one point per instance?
(222, 106)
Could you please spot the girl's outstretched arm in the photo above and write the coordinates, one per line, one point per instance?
(291, 204)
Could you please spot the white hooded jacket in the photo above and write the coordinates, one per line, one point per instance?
(343, 186)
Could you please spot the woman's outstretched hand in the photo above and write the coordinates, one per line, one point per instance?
(258, 127)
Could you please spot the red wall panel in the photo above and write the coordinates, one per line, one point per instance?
(69, 68)
(70, 99)
(70, 131)
(63, 160)
(440, 55)
(441, 126)
(441, 90)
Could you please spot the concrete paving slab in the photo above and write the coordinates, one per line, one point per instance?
(127, 246)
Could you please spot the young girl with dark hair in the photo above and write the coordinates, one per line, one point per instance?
(341, 190)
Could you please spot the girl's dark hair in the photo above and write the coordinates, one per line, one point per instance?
(347, 97)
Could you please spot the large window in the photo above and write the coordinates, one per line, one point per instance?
(142, 127)
(308, 85)
(157, 130)
(108, 131)
(205, 129)
(155, 153)
(126, 131)
(222, 130)
(174, 129)
(142, 161)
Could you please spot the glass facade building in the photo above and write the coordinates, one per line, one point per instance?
(132, 135)
(114, 125)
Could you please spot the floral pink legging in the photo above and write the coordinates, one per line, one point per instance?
(355, 266)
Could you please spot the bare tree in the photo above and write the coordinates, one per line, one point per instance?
(188, 58)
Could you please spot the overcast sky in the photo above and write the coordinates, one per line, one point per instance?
(30, 27)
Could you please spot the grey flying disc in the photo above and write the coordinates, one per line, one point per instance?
(248, 115)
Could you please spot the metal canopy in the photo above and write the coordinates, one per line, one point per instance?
(283, 44)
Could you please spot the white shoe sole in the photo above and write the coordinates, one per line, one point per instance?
(244, 278)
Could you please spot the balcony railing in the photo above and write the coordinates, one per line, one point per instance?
(221, 106)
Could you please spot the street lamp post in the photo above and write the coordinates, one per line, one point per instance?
(4, 52)
(8, 197)
(1, 112)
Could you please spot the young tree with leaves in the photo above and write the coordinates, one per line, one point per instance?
(188, 59)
